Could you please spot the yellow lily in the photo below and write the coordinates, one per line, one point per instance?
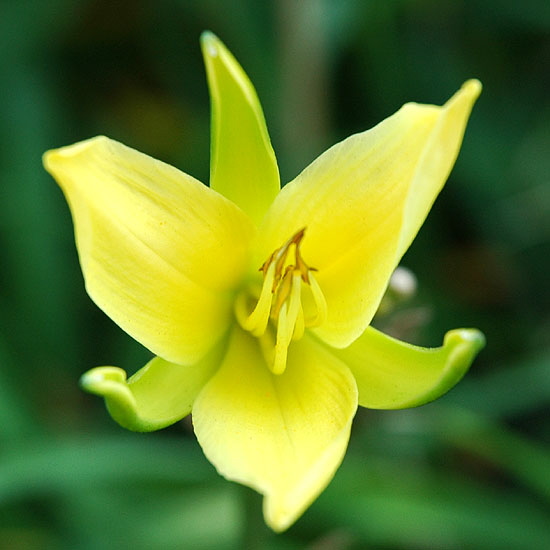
(257, 300)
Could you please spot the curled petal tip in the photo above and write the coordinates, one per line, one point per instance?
(158, 395)
(103, 380)
(467, 342)
(110, 383)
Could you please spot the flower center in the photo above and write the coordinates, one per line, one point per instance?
(290, 299)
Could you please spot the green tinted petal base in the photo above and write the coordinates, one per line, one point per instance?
(391, 374)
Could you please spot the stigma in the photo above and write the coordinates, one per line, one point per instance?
(289, 300)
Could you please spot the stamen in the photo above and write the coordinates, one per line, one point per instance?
(299, 329)
(257, 321)
(320, 303)
(280, 351)
(286, 324)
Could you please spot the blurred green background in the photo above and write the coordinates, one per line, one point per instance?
(471, 471)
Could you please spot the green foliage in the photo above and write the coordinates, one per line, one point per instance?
(469, 472)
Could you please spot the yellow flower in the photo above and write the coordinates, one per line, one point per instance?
(257, 300)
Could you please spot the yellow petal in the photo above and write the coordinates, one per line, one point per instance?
(160, 252)
(158, 395)
(392, 375)
(284, 435)
(363, 201)
(243, 167)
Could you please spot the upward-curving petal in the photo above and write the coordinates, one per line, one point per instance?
(391, 374)
(160, 252)
(156, 396)
(243, 166)
(363, 201)
(284, 435)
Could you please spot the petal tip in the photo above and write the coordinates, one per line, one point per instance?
(467, 94)
(101, 380)
(463, 344)
(277, 520)
(48, 161)
(472, 87)
(53, 158)
(470, 339)
(210, 44)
